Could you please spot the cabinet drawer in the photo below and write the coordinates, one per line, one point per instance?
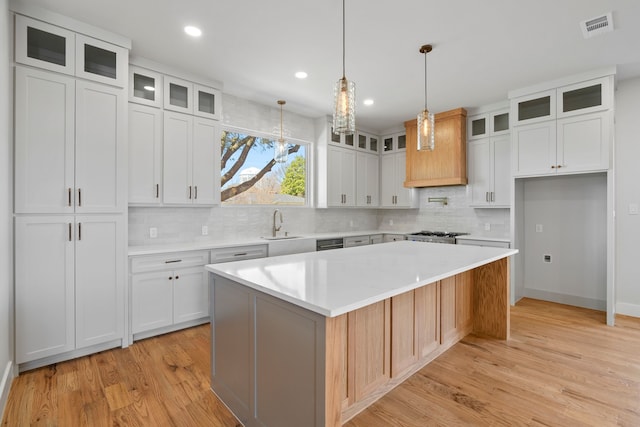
(350, 242)
(238, 253)
(169, 261)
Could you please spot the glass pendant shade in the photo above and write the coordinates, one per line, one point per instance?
(426, 131)
(344, 115)
(281, 152)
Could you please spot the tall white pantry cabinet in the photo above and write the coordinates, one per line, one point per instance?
(70, 191)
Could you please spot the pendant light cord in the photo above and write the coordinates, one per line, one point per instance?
(425, 80)
(343, 38)
(281, 123)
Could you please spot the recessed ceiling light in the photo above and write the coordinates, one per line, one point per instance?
(368, 102)
(301, 75)
(193, 31)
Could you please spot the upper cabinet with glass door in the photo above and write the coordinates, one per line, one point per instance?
(145, 86)
(488, 124)
(48, 46)
(347, 141)
(394, 142)
(367, 142)
(187, 97)
(584, 97)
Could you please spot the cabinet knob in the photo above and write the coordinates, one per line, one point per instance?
(553, 166)
(177, 277)
(559, 166)
(170, 278)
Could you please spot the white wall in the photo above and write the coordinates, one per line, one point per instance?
(627, 191)
(572, 213)
(6, 207)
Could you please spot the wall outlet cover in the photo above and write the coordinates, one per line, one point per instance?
(538, 228)
(205, 230)
(487, 226)
(153, 232)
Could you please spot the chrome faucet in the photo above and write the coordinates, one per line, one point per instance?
(275, 229)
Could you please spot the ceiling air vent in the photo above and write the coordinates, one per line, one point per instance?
(595, 26)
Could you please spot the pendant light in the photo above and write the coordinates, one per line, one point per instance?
(282, 148)
(426, 121)
(344, 112)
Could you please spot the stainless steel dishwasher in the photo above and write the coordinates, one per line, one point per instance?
(327, 244)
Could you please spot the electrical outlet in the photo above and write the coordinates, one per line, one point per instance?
(390, 222)
(153, 232)
(547, 258)
(538, 228)
(487, 226)
(205, 230)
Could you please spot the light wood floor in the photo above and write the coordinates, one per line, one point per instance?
(562, 367)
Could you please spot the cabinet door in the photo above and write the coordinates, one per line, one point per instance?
(456, 307)
(145, 87)
(178, 137)
(405, 195)
(427, 310)
(369, 348)
(534, 149)
(44, 287)
(145, 154)
(205, 157)
(534, 108)
(178, 95)
(501, 167)
(44, 45)
(478, 126)
(101, 148)
(208, 102)
(583, 143)
(151, 301)
(584, 97)
(404, 333)
(341, 176)
(479, 163)
(387, 180)
(367, 167)
(100, 61)
(190, 294)
(100, 279)
(44, 142)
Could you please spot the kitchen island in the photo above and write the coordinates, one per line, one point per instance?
(312, 339)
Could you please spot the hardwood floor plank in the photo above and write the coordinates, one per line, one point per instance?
(562, 367)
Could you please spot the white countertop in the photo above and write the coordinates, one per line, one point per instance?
(213, 244)
(332, 283)
(484, 238)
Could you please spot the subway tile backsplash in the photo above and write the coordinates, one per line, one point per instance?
(184, 224)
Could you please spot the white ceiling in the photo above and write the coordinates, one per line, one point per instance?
(482, 49)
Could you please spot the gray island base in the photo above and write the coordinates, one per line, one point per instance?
(313, 339)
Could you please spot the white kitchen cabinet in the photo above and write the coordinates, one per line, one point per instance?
(341, 177)
(178, 95)
(489, 164)
(145, 86)
(101, 148)
(168, 291)
(492, 123)
(44, 142)
(376, 239)
(53, 48)
(353, 241)
(570, 145)
(208, 102)
(43, 45)
(393, 194)
(145, 154)
(367, 179)
(75, 298)
(367, 142)
(101, 61)
(394, 142)
(393, 237)
(189, 160)
(70, 146)
(563, 130)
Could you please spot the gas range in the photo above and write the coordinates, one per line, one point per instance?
(434, 236)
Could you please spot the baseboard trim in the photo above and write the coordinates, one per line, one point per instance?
(627, 309)
(594, 304)
(5, 386)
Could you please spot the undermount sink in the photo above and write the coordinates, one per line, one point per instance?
(279, 237)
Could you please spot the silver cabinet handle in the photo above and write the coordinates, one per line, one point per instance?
(172, 261)
(240, 254)
(70, 227)
(79, 231)
(486, 196)
(157, 191)
(493, 196)
(196, 192)
(189, 192)
(69, 191)
(79, 196)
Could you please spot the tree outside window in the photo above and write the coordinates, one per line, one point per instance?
(250, 176)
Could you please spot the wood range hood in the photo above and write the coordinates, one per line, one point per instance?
(447, 163)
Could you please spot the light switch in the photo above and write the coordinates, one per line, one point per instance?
(538, 228)
(487, 226)
(633, 209)
(153, 232)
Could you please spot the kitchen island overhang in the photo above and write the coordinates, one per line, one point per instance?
(313, 338)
